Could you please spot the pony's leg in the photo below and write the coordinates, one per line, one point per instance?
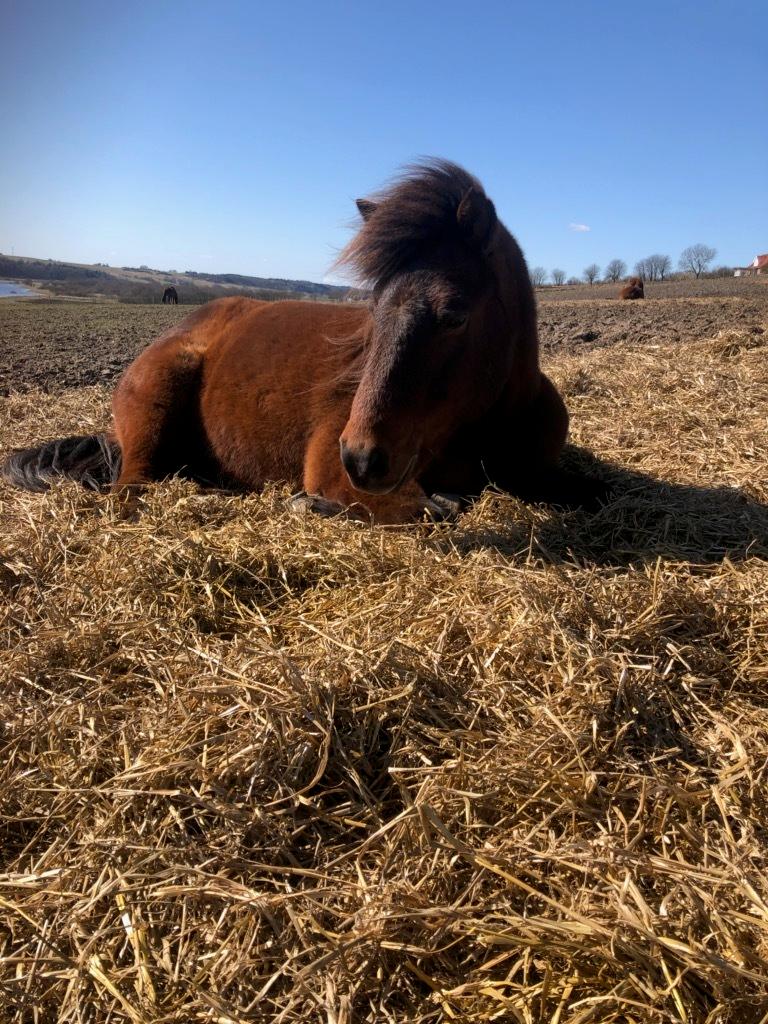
(152, 418)
(525, 459)
(329, 491)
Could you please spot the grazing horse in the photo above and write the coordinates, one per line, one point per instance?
(633, 289)
(432, 389)
(170, 295)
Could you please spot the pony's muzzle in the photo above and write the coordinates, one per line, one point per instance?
(367, 468)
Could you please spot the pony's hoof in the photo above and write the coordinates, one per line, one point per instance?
(443, 508)
(319, 506)
(128, 500)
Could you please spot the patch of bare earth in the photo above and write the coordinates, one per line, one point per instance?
(257, 766)
(56, 345)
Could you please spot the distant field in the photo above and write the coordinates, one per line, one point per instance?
(687, 288)
(59, 344)
(263, 767)
(100, 283)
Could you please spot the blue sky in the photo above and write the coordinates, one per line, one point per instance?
(234, 136)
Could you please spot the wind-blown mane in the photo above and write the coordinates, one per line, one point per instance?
(406, 219)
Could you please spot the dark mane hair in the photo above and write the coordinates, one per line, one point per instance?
(406, 218)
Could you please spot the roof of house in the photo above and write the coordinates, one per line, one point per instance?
(760, 262)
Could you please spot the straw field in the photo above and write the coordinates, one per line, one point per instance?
(257, 766)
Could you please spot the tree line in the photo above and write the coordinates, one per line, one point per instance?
(695, 259)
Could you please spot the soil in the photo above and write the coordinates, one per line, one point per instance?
(60, 345)
(598, 324)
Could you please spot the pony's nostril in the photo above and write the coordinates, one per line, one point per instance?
(378, 463)
(364, 465)
(349, 461)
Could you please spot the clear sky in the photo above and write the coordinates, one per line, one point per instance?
(234, 136)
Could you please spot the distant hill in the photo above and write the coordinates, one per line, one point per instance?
(146, 285)
(270, 283)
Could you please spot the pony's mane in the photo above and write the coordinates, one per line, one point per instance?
(412, 213)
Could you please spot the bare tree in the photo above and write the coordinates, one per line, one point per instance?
(642, 270)
(615, 270)
(591, 273)
(658, 266)
(538, 276)
(696, 258)
(558, 276)
(573, 280)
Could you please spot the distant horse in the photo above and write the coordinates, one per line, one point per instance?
(171, 296)
(434, 388)
(633, 289)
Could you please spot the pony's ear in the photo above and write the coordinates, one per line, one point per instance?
(366, 207)
(476, 215)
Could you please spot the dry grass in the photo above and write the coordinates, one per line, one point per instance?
(261, 767)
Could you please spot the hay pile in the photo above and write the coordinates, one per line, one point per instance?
(261, 767)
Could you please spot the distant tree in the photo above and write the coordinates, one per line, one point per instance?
(538, 276)
(591, 273)
(615, 270)
(573, 280)
(642, 270)
(657, 267)
(696, 258)
(558, 276)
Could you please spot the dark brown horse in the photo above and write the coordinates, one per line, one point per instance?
(633, 289)
(432, 389)
(170, 295)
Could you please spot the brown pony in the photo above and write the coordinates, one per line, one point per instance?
(434, 388)
(633, 289)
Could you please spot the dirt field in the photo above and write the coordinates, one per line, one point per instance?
(746, 288)
(263, 767)
(56, 345)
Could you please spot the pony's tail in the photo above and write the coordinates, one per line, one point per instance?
(93, 460)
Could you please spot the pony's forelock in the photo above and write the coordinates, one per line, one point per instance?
(416, 209)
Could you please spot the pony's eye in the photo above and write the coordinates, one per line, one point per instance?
(452, 321)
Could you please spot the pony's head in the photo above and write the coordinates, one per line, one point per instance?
(439, 348)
